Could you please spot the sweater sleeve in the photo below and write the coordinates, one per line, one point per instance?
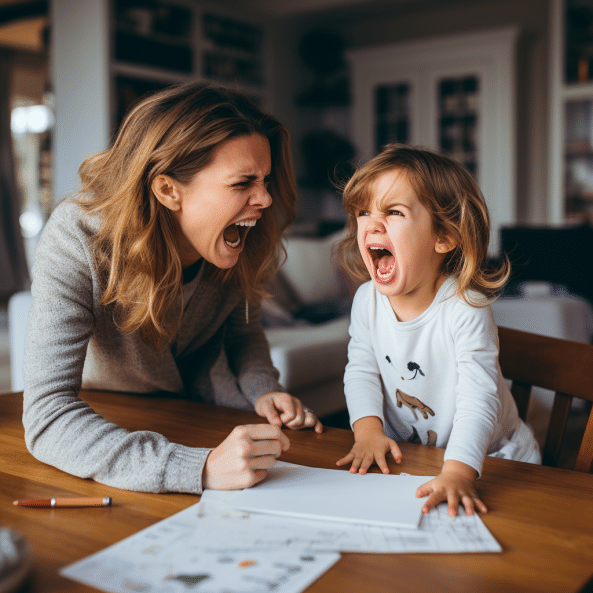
(362, 378)
(248, 353)
(61, 429)
(478, 404)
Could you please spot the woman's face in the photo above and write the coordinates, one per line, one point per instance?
(223, 201)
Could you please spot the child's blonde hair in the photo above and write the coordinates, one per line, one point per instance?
(457, 208)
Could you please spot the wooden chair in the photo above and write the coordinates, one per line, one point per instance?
(532, 360)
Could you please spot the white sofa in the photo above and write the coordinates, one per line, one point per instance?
(18, 315)
(311, 357)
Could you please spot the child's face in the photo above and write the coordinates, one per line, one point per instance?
(399, 246)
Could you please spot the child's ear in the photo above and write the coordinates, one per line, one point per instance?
(166, 191)
(444, 244)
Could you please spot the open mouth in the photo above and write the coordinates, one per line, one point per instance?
(234, 235)
(383, 262)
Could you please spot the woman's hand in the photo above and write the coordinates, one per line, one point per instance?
(283, 409)
(455, 484)
(244, 457)
(370, 446)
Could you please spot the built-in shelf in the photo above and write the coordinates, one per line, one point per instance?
(160, 42)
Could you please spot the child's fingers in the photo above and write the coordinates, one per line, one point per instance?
(366, 462)
(382, 463)
(424, 490)
(396, 453)
(345, 460)
(468, 504)
(453, 505)
(471, 503)
(432, 501)
(480, 506)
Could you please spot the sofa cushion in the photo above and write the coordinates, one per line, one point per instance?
(310, 268)
(309, 354)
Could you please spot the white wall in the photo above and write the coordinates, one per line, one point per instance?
(80, 77)
(374, 27)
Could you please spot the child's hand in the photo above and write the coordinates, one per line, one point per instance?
(370, 445)
(455, 484)
(282, 408)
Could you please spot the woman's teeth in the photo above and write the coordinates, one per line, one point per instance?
(233, 236)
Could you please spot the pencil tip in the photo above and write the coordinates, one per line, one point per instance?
(16, 502)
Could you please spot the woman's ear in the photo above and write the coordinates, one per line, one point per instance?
(166, 191)
(444, 244)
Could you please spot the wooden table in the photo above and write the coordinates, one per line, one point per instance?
(542, 517)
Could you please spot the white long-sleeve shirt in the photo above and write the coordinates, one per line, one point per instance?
(435, 379)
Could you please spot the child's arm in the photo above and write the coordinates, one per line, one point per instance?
(455, 484)
(370, 446)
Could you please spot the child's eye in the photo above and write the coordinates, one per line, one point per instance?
(395, 213)
(362, 213)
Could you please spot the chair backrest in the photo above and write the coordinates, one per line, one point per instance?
(565, 367)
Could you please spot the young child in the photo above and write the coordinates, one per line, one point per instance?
(423, 354)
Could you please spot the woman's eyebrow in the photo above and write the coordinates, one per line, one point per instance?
(250, 176)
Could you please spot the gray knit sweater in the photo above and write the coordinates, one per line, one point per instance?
(218, 357)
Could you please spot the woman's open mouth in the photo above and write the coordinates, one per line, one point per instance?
(383, 263)
(234, 235)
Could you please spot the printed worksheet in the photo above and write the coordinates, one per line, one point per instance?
(211, 549)
(170, 557)
(438, 533)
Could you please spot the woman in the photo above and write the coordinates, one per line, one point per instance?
(148, 281)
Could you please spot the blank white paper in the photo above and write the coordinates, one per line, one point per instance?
(335, 495)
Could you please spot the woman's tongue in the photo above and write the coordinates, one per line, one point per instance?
(232, 236)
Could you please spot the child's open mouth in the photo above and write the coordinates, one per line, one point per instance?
(383, 263)
(234, 235)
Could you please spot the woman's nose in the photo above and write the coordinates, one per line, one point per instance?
(260, 198)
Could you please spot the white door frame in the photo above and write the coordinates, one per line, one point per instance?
(489, 54)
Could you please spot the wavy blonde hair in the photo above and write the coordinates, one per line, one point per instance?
(176, 132)
(457, 208)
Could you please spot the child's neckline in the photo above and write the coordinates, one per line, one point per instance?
(428, 312)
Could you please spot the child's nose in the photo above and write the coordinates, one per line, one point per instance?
(376, 224)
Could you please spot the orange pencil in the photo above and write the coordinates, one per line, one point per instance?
(63, 502)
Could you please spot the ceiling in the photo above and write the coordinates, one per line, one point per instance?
(279, 8)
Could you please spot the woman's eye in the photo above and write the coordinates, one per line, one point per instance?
(242, 185)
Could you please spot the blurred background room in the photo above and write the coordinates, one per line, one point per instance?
(504, 86)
